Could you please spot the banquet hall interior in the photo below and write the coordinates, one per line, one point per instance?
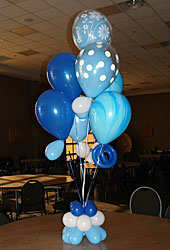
(31, 34)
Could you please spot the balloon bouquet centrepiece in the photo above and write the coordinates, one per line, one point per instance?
(64, 112)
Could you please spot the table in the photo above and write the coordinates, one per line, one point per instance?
(15, 182)
(125, 232)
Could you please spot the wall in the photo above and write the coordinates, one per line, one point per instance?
(150, 111)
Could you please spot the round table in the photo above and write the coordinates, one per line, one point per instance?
(125, 232)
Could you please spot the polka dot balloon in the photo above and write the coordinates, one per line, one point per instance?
(91, 26)
(96, 66)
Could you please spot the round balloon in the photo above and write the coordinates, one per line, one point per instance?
(96, 66)
(91, 26)
(117, 85)
(84, 223)
(82, 149)
(76, 208)
(69, 220)
(54, 150)
(109, 116)
(54, 113)
(98, 219)
(81, 106)
(61, 74)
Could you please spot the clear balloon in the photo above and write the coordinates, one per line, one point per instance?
(96, 66)
(109, 116)
(61, 74)
(84, 223)
(54, 113)
(98, 219)
(91, 26)
(80, 129)
(69, 220)
(117, 85)
(54, 150)
(81, 106)
(82, 149)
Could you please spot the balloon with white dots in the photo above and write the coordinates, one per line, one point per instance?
(96, 68)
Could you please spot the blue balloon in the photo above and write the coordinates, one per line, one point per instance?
(54, 150)
(91, 26)
(76, 208)
(54, 112)
(90, 208)
(96, 67)
(117, 85)
(61, 74)
(72, 235)
(99, 157)
(80, 129)
(109, 116)
(96, 234)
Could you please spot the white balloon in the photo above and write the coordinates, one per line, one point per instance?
(90, 158)
(84, 223)
(98, 219)
(82, 149)
(69, 220)
(81, 106)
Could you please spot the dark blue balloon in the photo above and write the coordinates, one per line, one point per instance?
(90, 209)
(61, 74)
(99, 156)
(54, 112)
(76, 208)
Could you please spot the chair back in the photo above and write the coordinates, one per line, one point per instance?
(146, 200)
(32, 193)
(4, 219)
(167, 212)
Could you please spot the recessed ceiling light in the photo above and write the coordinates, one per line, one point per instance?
(28, 20)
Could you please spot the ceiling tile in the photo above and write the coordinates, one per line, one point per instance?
(96, 4)
(4, 3)
(37, 37)
(119, 18)
(6, 44)
(33, 6)
(149, 20)
(49, 13)
(9, 24)
(162, 8)
(21, 40)
(42, 26)
(12, 11)
(29, 52)
(57, 2)
(69, 10)
(24, 31)
(109, 10)
(17, 48)
(8, 35)
(141, 12)
(165, 17)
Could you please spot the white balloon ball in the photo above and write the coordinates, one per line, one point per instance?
(82, 149)
(84, 223)
(90, 158)
(81, 104)
(69, 220)
(98, 219)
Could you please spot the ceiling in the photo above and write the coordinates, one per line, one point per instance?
(33, 31)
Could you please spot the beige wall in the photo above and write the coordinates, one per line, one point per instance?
(150, 111)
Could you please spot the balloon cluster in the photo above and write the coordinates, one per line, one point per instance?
(83, 221)
(102, 108)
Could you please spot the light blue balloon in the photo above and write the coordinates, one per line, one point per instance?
(96, 234)
(80, 129)
(91, 26)
(117, 85)
(72, 235)
(54, 150)
(109, 116)
(96, 66)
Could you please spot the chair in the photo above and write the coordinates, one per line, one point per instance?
(167, 213)
(32, 199)
(146, 200)
(6, 209)
(4, 219)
